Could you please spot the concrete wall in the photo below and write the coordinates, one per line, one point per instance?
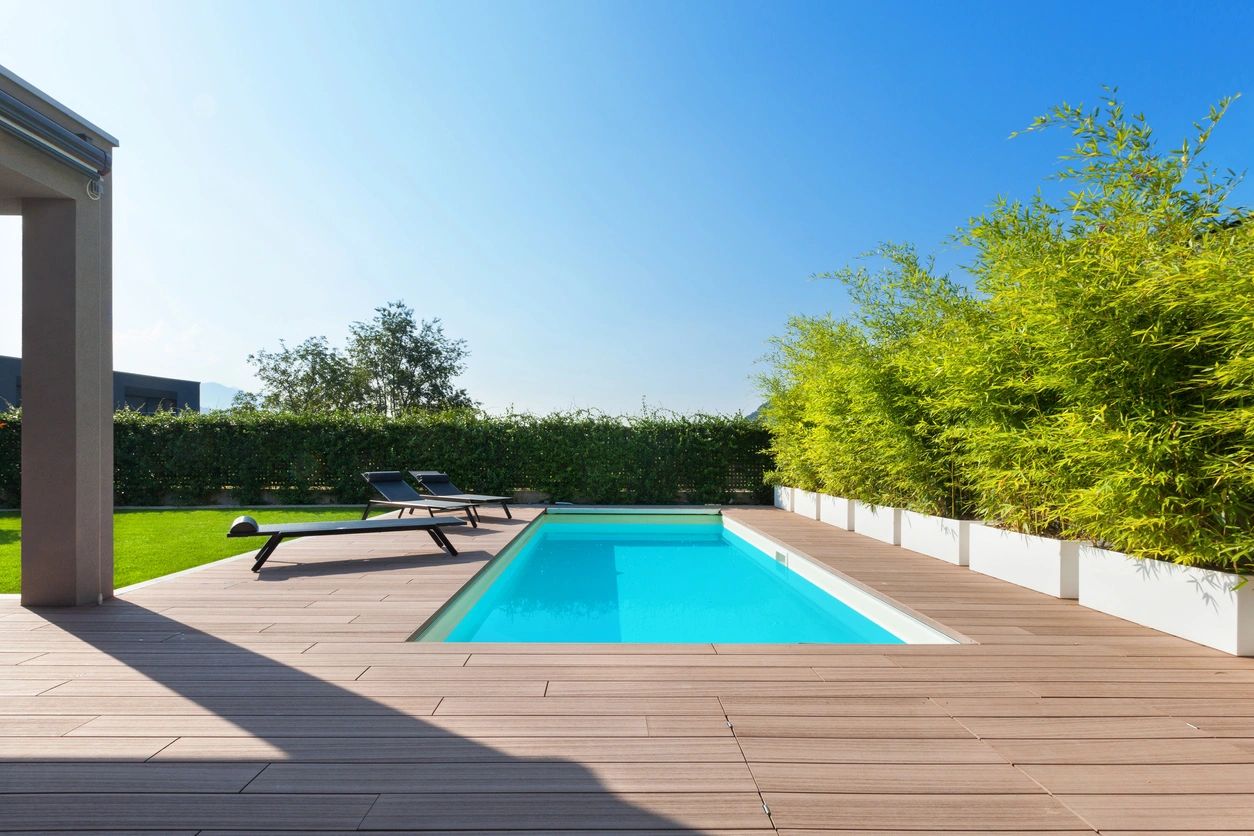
(67, 348)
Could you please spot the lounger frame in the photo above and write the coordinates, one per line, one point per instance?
(278, 533)
(434, 481)
(404, 497)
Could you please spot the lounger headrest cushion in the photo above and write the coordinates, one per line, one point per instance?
(431, 476)
(383, 476)
(244, 525)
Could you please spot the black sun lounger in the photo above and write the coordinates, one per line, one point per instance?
(441, 486)
(397, 493)
(247, 527)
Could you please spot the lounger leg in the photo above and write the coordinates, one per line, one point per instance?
(263, 554)
(440, 540)
(366, 512)
(508, 515)
(475, 511)
(444, 541)
(473, 522)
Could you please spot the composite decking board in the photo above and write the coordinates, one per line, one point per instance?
(394, 725)
(831, 706)
(160, 811)
(40, 725)
(654, 750)
(149, 705)
(26, 687)
(300, 677)
(868, 750)
(1073, 728)
(376, 690)
(912, 728)
(104, 776)
(1164, 751)
(1042, 675)
(552, 776)
(1124, 779)
(557, 811)
(853, 689)
(108, 749)
(928, 812)
(1009, 707)
(810, 831)
(252, 672)
(523, 706)
(1162, 811)
(226, 658)
(947, 778)
(669, 831)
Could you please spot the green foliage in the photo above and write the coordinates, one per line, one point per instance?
(188, 458)
(392, 365)
(1101, 385)
(148, 544)
(852, 406)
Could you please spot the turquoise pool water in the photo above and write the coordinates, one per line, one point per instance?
(574, 578)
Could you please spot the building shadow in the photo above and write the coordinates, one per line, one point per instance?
(262, 745)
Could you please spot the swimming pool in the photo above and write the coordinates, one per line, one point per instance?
(662, 577)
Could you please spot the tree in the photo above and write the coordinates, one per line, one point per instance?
(392, 365)
(400, 366)
(309, 377)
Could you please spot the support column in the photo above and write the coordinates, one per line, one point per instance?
(67, 401)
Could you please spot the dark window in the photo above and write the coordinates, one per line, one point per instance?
(149, 401)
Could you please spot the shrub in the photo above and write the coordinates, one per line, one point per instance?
(854, 407)
(188, 458)
(1100, 385)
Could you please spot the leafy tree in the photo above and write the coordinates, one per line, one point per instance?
(400, 366)
(392, 365)
(308, 377)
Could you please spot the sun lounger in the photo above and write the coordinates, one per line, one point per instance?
(247, 527)
(439, 485)
(397, 493)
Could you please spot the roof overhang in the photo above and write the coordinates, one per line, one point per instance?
(40, 121)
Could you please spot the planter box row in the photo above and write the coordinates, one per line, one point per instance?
(1201, 605)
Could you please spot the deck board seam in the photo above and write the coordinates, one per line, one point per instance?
(748, 767)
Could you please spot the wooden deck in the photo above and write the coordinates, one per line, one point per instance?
(221, 701)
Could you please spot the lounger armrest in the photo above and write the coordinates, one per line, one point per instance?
(243, 526)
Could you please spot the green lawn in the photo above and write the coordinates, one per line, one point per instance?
(148, 544)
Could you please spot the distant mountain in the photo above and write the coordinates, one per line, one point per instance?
(216, 396)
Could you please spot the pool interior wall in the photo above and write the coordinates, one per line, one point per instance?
(588, 575)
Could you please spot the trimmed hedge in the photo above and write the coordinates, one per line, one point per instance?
(191, 459)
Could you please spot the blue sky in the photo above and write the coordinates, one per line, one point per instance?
(611, 202)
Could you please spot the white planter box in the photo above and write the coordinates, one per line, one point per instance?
(805, 503)
(783, 498)
(1195, 604)
(836, 510)
(1041, 563)
(939, 537)
(879, 522)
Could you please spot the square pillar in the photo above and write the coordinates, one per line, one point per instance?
(67, 401)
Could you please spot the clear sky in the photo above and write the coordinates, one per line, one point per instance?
(611, 202)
